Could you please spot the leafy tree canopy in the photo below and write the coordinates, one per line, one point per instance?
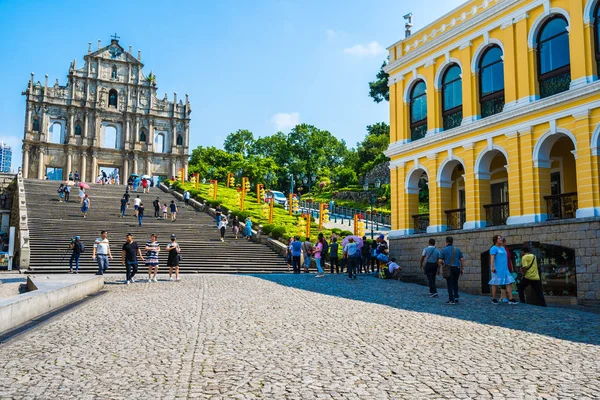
(379, 89)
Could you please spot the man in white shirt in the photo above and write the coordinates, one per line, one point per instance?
(101, 252)
(136, 203)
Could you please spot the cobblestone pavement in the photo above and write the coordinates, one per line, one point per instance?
(297, 337)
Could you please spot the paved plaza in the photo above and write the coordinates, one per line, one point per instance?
(297, 337)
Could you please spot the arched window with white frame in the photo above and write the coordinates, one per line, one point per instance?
(418, 111)
(554, 62)
(491, 82)
(452, 112)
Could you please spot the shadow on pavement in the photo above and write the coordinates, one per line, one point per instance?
(560, 323)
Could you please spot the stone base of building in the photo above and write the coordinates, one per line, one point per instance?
(582, 235)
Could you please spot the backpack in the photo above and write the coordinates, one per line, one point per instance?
(81, 247)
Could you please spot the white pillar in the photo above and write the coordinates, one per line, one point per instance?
(83, 166)
(69, 162)
(148, 167)
(185, 171)
(94, 166)
(174, 167)
(71, 127)
(41, 165)
(125, 172)
(26, 161)
(135, 164)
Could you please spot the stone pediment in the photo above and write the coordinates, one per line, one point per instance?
(115, 52)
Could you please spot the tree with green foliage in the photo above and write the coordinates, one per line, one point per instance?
(370, 150)
(379, 89)
(239, 142)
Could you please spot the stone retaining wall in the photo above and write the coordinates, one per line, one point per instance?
(581, 235)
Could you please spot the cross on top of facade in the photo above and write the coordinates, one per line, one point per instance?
(115, 37)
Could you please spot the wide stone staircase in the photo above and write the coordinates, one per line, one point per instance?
(52, 224)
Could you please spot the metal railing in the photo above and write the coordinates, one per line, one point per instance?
(455, 219)
(346, 214)
(561, 206)
(421, 222)
(496, 214)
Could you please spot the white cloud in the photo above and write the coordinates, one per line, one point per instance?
(360, 50)
(15, 144)
(285, 121)
(332, 34)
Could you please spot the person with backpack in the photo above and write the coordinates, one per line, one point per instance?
(140, 212)
(78, 248)
(61, 193)
(67, 191)
(156, 204)
(531, 276)
(307, 249)
(333, 256)
(351, 254)
(430, 256)
(451, 262)
(123, 207)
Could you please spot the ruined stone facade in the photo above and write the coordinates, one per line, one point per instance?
(107, 115)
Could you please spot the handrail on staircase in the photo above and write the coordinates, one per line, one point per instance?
(21, 224)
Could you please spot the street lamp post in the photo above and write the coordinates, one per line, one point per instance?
(367, 188)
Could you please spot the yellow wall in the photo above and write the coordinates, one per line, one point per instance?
(526, 124)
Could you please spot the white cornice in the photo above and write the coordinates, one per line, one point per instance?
(396, 149)
(407, 58)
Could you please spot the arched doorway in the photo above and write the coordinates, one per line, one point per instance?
(417, 190)
(554, 156)
(110, 139)
(493, 186)
(452, 195)
(57, 133)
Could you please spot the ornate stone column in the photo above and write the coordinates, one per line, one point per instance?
(135, 163)
(94, 172)
(28, 122)
(126, 123)
(71, 126)
(174, 167)
(85, 128)
(151, 132)
(186, 138)
(125, 172)
(185, 170)
(137, 131)
(148, 167)
(41, 165)
(69, 162)
(83, 165)
(173, 136)
(26, 149)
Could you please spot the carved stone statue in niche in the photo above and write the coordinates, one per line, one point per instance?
(94, 67)
(103, 94)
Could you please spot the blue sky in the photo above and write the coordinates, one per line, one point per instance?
(257, 65)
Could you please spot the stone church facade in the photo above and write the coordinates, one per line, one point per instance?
(108, 115)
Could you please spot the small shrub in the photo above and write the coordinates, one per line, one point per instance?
(346, 233)
(268, 228)
(337, 231)
(278, 232)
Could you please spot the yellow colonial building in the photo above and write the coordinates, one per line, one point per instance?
(495, 109)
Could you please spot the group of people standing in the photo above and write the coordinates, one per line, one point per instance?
(131, 254)
(223, 222)
(356, 259)
(139, 208)
(449, 262)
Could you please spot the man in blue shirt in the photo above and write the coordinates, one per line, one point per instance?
(296, 252)
(452, 257)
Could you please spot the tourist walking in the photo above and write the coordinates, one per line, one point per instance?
(351, 254)
(307, 249)
(129, 257)
(117, 179)
(123, 206)
(296, 253)
(130, 183)
(365, 256)
(235, 226)
(222, 227)
(61, 193)
(173, 251)
(218, 213)
(136, 204)
(78, 247)
(127, 196)
(173, 211)
(430, 256)
(76, 177)
(85, 207)
(145, 186)
(67, 191)
(186, 197)
(334, 260)
(288, 254)
(500, 275)
(101, 252)
(81, 194)
(451, 262)
(317, 252)
(248, 228)
(70, 176)
(156, 204)
(140, 212)
(152, 249)
(531, 276)
(165, 211)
